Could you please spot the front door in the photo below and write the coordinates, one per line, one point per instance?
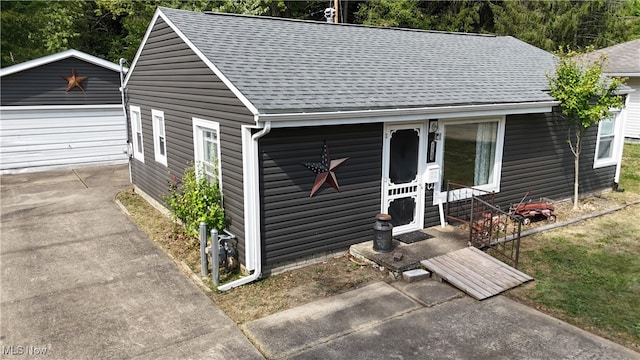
(403, 192)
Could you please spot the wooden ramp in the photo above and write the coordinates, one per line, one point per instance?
(476, 273)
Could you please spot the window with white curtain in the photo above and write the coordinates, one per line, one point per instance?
(470, 154)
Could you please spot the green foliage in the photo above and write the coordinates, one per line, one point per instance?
(113, 29)
(552, 24)
(196, 199)
(585, 95)
(392, 13)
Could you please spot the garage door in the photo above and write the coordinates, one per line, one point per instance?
(39, 138)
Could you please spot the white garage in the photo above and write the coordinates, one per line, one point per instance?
(61, 111)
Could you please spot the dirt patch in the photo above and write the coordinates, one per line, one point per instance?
(261, 298)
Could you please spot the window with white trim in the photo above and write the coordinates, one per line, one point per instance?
(136, 133)
(159, 138)
(206, 144)
(470, 153)
(606, 146)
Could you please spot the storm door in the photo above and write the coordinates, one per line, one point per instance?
(403, 166)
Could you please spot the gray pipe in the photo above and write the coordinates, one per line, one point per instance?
(203, 250)
(215, 259)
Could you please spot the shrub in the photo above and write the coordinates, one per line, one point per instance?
(195, 199)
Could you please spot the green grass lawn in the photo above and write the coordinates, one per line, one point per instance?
(630, 172)
(588, 274)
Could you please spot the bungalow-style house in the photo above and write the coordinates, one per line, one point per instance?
(62, 110)
(623, 60)
(315, 127)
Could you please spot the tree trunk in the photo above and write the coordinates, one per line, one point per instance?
(576, 167)
(576, 182)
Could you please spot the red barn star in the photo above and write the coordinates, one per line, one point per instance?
(74, 80)
(325, 170)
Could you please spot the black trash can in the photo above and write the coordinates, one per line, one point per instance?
(382, 237)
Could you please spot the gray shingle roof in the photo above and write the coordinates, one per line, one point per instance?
(284, 65)
(621, 59)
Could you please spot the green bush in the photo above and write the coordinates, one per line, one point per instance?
(194, 199)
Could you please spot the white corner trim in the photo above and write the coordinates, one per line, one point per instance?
(60, 56)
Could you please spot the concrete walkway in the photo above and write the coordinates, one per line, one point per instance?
(80, 281)
(423, 320)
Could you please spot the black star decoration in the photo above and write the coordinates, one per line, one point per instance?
(325, 170)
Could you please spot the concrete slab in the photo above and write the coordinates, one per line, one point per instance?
(464, 328)
(444, 241)
(290, 331)
(80, 281)
(428, 292)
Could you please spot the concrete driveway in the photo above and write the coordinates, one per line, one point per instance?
(79, 281)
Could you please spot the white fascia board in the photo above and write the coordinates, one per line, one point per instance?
(59, 107)
(60, 56)
(216, 71)
(624, 74)
(402, 115)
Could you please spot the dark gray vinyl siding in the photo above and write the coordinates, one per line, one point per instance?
(537, 158)
(295, 225)
(169, 77)
(44, 85)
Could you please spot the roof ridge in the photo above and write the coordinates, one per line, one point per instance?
(323, 23)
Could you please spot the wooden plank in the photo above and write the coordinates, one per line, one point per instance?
(505, 271)
(489, 269)
(437, 269)
(511, 269)
(464, 271)
(457, 273)
(476, 273)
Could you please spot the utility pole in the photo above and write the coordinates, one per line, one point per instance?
(335, 6)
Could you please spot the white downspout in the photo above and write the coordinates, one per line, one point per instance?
(620, 145)
(126, 118)
(252, 237)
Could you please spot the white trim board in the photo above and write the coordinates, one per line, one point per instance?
(404, 115)
(199, 53)
(60, 56)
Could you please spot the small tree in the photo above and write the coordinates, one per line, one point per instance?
(586, 96)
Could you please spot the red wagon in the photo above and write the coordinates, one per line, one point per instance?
(533, 210)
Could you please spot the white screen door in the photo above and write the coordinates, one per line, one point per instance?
(404, 161)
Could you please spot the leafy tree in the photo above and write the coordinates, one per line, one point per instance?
(586, 97)
(20, 38)
(392, 13)
(552, 24)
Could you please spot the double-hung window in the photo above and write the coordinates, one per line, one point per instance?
(136, 132)
(206, 144)
(607, 143)
(159, 138)
(470, 154)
